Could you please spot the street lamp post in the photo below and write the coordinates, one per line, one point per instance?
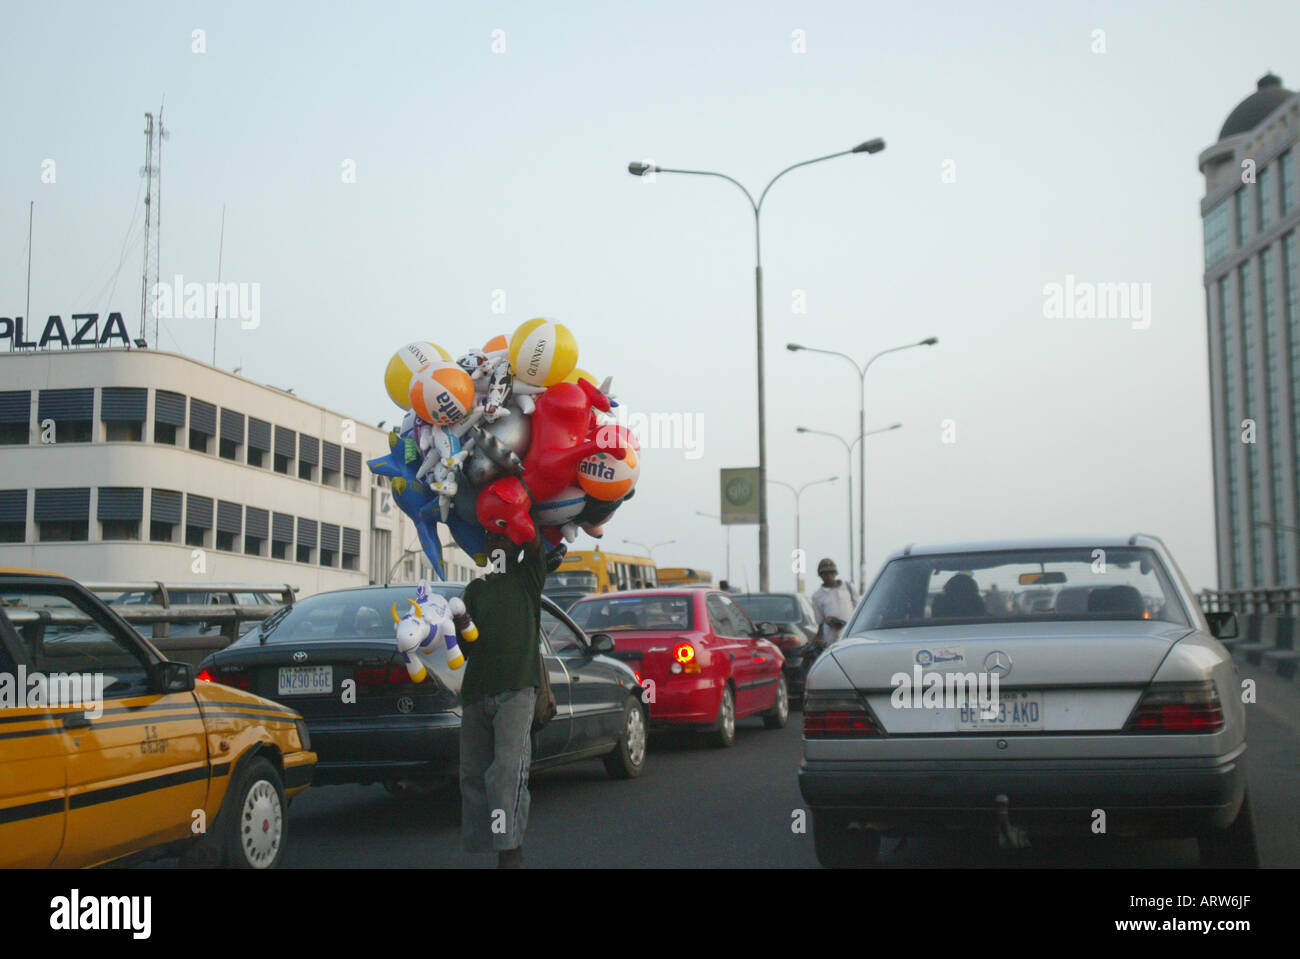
(641, 169)
(650, 550)
(728, 528)
(862, 432)
(848, 450)
(797, 493)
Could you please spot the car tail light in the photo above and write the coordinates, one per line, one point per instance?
(204, 677)
(1178, 708)
(837, 716)
(684, 659)
(382, 676)
(238, 678)
(788, 641)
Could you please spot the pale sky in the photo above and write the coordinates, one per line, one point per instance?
(482, 170)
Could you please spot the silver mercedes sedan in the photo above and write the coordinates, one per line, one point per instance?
(1046, 686)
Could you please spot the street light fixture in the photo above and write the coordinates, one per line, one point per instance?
(650, 550)
(641, 169)
(862, 431)
(728, 528)
(848, 451)
(797, 493)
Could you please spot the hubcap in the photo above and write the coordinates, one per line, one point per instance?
(728, 714)
(261, 825)
(635, 737)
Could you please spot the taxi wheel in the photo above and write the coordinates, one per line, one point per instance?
(775, 717)
(257, 828)
(724, 733)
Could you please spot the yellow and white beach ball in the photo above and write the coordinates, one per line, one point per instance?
(441, 393)
(543, 353)
(605, 477)
(404, 363)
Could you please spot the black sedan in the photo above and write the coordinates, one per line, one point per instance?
(333, 658)
(793, 615)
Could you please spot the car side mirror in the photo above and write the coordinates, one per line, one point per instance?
(767, 629)
(1222, 625)
(602, 643)
(169, 677)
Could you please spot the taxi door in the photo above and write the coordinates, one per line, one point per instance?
(33, 791)
(136, 755)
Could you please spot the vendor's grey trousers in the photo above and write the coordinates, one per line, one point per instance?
(495, 751)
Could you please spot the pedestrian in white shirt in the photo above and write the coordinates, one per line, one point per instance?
(832, 603)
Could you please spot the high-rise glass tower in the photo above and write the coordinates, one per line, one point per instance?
(1251, 211)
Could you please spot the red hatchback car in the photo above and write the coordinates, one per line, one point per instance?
(708, 662)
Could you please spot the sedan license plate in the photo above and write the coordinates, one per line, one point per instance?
(1017, 709)
(306, 680)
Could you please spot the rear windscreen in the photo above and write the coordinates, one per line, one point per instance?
(770, 609)
(344, 615)
(612, 613)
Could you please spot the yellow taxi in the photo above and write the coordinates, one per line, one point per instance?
(108, 750)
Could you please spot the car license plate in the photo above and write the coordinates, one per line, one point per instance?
(1017, 709)
(306, 680)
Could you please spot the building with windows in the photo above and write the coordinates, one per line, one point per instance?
(139, 465)
(1251, 211)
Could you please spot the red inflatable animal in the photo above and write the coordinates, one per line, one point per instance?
(561, 436)
(503, 507)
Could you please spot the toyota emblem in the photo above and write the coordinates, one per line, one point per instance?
(300, 657)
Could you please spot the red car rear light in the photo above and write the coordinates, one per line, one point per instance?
(204, 677)
(381, 676)
(684, 653)
(788, 641)
(838, 716)
(1178, 708)
(238, 678)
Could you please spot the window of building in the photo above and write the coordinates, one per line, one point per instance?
(122, 411)
(1231, 427)
(331, 463)
(203, 425)
(308, 456)
(259, 442)
(256, 530)
(306, 540)
(281, 535)
(1263, 195)
(1239, 199)
(71, 412)
(286, 441)
(168, 417)
(352, 471)
(1291, 306)
(230, 526)
(164, 515)
(198, 520)
(13, 515)
(1286, 166)
(231, 445)
(329, 544)
(1216, 233)
(120, 511)
(351, 548)
(62, 515)
(15, 417)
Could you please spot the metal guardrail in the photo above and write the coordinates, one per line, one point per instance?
(1278, 600)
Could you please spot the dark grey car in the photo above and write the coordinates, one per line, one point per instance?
(370, 723)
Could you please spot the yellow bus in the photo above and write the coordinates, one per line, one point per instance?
(684, 576)
(593, 571)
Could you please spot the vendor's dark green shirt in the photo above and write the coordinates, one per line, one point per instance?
(507, 609)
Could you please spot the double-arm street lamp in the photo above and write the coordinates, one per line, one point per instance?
(848, 451)
(650, 550)
(641, 169)
(862, 432)
(797, 545)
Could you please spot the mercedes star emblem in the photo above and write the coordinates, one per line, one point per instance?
(997, 663)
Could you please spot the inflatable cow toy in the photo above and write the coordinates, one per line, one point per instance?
(431, 618)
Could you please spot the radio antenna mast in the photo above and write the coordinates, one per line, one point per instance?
(216, 307)
(154, 134)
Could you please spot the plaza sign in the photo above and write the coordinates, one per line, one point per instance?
(85, 330)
